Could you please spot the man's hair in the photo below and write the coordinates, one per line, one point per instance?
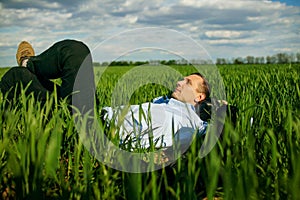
(203, 108)
(204, 87)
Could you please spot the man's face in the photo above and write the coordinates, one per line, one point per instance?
(187, 90)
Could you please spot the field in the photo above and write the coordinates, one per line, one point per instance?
(42, 156)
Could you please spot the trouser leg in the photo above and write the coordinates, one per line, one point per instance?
(63, 60)
(17, 77)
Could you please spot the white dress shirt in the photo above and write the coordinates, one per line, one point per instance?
(165, 120)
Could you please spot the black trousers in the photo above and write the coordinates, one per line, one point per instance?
(62, 60)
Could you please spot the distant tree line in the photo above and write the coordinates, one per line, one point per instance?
(279, 58)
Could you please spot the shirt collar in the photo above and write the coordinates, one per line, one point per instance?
(172, 101)
(175, 102)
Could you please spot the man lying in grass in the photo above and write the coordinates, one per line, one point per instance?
(166, 118)
(182, 113)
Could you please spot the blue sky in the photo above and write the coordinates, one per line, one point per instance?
(291, 2)
(224, 29)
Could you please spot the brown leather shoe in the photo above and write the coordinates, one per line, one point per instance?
(24, 51)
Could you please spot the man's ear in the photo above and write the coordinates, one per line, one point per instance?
(201, 97)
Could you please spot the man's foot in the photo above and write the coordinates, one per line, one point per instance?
(24, 51)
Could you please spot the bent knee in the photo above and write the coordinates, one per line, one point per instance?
(77, 46)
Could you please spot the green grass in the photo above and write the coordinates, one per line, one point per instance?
(42, 156)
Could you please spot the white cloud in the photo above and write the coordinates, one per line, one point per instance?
(231, 5)
(32, 17)
(248, 41)
(223, 34)
(132, 19)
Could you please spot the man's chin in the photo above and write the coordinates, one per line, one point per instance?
(174, 95)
